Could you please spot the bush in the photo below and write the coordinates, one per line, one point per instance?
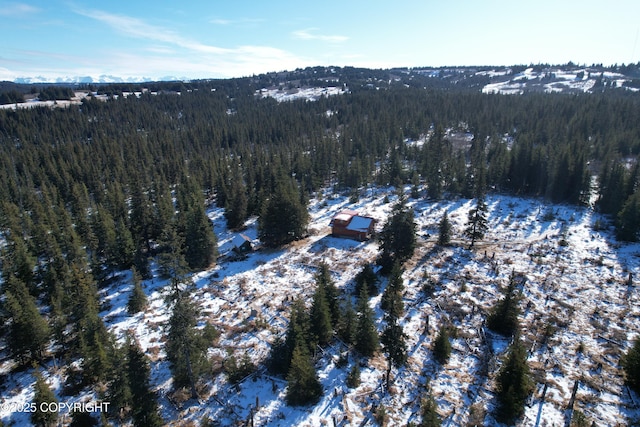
(353, 379)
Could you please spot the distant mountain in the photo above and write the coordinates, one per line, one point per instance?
(102, 79)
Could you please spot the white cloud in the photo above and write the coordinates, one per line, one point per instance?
(310, 34)
(14, 9)
(193, 58)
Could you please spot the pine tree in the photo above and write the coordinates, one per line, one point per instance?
(444, 230)
(477, 223)
(514, 384)
(631, 365)
(145, 406)
(303, 385)
(137, 299)
(367, 340)
(442, 346)
(43, 398)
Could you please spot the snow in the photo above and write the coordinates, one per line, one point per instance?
(309, 93)
(578, 316)
(359, 223)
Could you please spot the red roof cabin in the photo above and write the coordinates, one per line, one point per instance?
(351, 225)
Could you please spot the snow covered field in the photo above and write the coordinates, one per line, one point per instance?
(579, 314)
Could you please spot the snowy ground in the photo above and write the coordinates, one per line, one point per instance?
(578, 315)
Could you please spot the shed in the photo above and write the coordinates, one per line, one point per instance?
(350, 224)
(242, 244)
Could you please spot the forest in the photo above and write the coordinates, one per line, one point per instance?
(123, 184)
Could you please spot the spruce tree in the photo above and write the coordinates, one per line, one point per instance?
(514, 384)
(137, 299)
(477, 222)
(367, 340)
(43, 397)
(186, 345)
(28, 331)
(303, 385)
(200, 242)
(631, 365)
(429, 412)
(393, 341)
(347, 326)
(320, 317)
(444, 230)
(442, 346)
(391, 301)
(367, 277)
(503, 317)
(398, 237)
(284, 217)
(145, 406)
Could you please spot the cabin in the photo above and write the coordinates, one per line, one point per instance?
(242, 244)
(351, 225)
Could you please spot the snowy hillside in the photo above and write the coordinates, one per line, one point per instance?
(579, 313)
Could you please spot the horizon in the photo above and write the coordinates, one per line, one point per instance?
(59, 39)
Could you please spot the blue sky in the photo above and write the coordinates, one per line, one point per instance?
(214, 38)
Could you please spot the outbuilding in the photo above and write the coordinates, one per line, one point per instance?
(350, 224)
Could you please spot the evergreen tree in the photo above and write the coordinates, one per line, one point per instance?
(137, 299)
(186, 345)
(303, 385)
(398, 237)
(331, 292)
(503, 318)
(631, 365)
(145, 406)
(28, 331)
(367, 340)
(82, 419)
(628, 219)
(391, 301)
(393, 341)
(237, 203)
(124, 249)
(42, 398)
(367, 277)
(119, 391)
(514, 384)
(442, 346)
(353, 379)
(444, 230)
(347, 328)
(320, 317)
(429, 412)
(201, 246)
(284, 218)
(477, 222)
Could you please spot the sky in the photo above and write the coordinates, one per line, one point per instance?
(220, 38)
